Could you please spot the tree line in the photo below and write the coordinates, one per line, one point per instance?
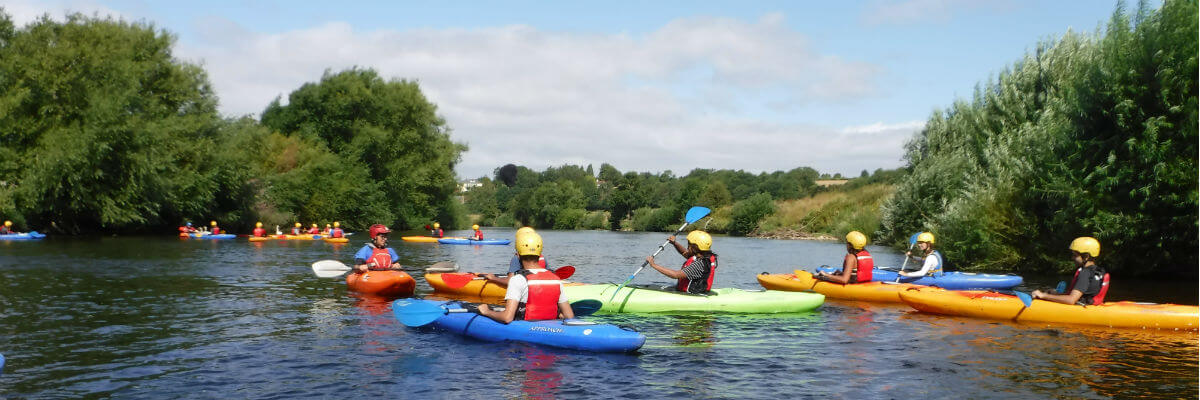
(103, 129)
(1087, 135)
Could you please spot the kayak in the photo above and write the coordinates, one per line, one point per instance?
(992, 305)
(23, 236)
(949, 280)
(570, 334)
(302, 237)
(477, 288)
(382, 283)
(336, 240)
(802, 281)
(469, 241)
(653, 299)
(208, 236)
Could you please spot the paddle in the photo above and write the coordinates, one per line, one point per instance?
(912, 241)
(1062, 287)
(1025, 298)
(420, 313)
(329, 268)
(455, 281)
(693, 214)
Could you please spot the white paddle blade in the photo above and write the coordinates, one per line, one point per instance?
(329, 268)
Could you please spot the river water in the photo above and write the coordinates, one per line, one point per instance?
(155, 318)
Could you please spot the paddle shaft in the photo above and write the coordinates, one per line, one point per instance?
(647, 262)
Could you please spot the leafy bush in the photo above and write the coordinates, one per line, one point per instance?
(747, 213)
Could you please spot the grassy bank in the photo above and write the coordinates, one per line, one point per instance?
(827, 215)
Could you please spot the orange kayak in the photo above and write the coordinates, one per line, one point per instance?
(803, 281)
(382, 283)
(992, 305)
(478, 287)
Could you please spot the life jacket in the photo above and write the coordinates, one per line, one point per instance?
(260, 232)
(437, 233)
(862, 270)
(296, 231)
(314, 231)
(479, 236)
(216, 230)
(336, 232)
(381, 257)
(940, 270)
(686, 285)
(1092, 297)
(542, 301)
(182, 229)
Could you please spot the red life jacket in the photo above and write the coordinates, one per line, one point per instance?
(437, 233)
(314, 231)
(260, 232)
(685, 283)
(336, 232)
(542, 300)
(381, 257)
(862, 270)
(1091, 299)
(479, 236)
(216, 230)
(183, 229)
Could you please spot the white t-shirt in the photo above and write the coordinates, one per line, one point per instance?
(518, 290)
(931, 264)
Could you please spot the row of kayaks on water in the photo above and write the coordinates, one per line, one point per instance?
(453, 240)
(230, 236)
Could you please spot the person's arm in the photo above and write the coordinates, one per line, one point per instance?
(930, 263)
(670, 273)
(504, 317)
(683, 251)
(496, 280)
(360, 260)
(1069, 298)
(848, 264)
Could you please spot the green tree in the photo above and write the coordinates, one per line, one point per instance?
(747, 213)
(715, 195)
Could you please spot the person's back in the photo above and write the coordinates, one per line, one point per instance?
(337, 230)
(258, 230)
(478, 234)
(534, 293)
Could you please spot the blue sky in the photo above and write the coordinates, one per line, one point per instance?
(645, 86)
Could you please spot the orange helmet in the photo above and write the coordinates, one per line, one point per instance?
(378, 229)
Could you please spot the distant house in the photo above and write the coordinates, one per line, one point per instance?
(831, 182)
(468, 184)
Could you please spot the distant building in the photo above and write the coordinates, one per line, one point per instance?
(468, 184)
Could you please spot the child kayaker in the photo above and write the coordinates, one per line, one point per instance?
(216, 230)
(1090, 284)
(258, 230)
(296, 230)
(376, 256)
(534, 293)
(7, 228)
(856, 265)
(436, 231)
(696, 275)
(314, 230)
(930, 259)
(478, 235)
(336, 232)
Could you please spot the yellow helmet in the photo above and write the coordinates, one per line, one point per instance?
(336, 224)
(701, 239)
(297, 224)
(314, 225)
(524, 230)
(856, 239)
(7, 223)
(1086, 245)
(529, 244)
(327, 225)
(925, 237)
(475, 227)
(258, 224)
(214, 223)
(436, 225)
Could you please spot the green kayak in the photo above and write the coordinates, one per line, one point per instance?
(654, 299)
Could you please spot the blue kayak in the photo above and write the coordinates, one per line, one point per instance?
(217, 236)
(23, 236)
(570, 334)
(469, 241)
(949, 280)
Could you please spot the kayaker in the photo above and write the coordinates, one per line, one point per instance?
(534, 293)
(336, 232)
(314, 230)
(376, 256)
(696, 275)
(1090, 284)
(296, 229)
(258, 230)
(514, 265)
(7, 228)
(930, 259)
(478, 235)
(187, 228)
(216, 230)
(327, 231)
(856, 265)
(436, 231)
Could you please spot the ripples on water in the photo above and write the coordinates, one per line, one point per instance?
(160, 318)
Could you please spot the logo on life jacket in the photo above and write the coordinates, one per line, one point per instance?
(542, 300)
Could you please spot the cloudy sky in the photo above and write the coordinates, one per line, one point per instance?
(668, 85)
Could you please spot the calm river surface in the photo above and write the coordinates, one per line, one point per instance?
(159, 317)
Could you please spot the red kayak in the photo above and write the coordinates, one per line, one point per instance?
(382, 283)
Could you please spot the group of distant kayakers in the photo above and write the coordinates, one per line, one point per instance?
(1088, 286)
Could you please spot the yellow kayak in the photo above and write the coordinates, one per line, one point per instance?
(803, 281)
(992, 305)
(477, 287)
(336, 240)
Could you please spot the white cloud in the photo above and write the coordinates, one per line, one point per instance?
(24, 11)
(675, 98)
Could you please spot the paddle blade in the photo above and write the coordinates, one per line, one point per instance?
(416, 313)
(329, 268)
(912, 240)
(455, 281)
(1025, 298)
(695, 213)
(564, 272)
(1061, 288)
(587, 307)
(442, 266)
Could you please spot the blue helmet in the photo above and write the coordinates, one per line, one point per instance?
(189, 224)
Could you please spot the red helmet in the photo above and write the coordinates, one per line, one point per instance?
(377, 229)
